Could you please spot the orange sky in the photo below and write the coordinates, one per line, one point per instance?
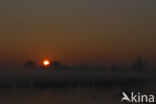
(77, 32)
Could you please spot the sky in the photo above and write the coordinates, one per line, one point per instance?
(93, 32)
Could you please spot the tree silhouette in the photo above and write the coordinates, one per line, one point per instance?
(55, 65)
(139, 64)
(29, 64)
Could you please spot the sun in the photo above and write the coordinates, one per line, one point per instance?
(46, 62)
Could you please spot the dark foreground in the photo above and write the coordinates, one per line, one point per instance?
(73, 87)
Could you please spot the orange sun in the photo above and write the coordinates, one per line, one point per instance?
(46, 63)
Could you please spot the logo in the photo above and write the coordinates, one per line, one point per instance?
(138, 98)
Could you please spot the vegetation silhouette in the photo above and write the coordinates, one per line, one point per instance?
(30, 65)
(77, 76)
(55, 65)
(139, 64)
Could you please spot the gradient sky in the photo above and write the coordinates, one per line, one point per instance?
(77, 31)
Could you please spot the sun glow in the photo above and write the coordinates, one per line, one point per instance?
(46, 63)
